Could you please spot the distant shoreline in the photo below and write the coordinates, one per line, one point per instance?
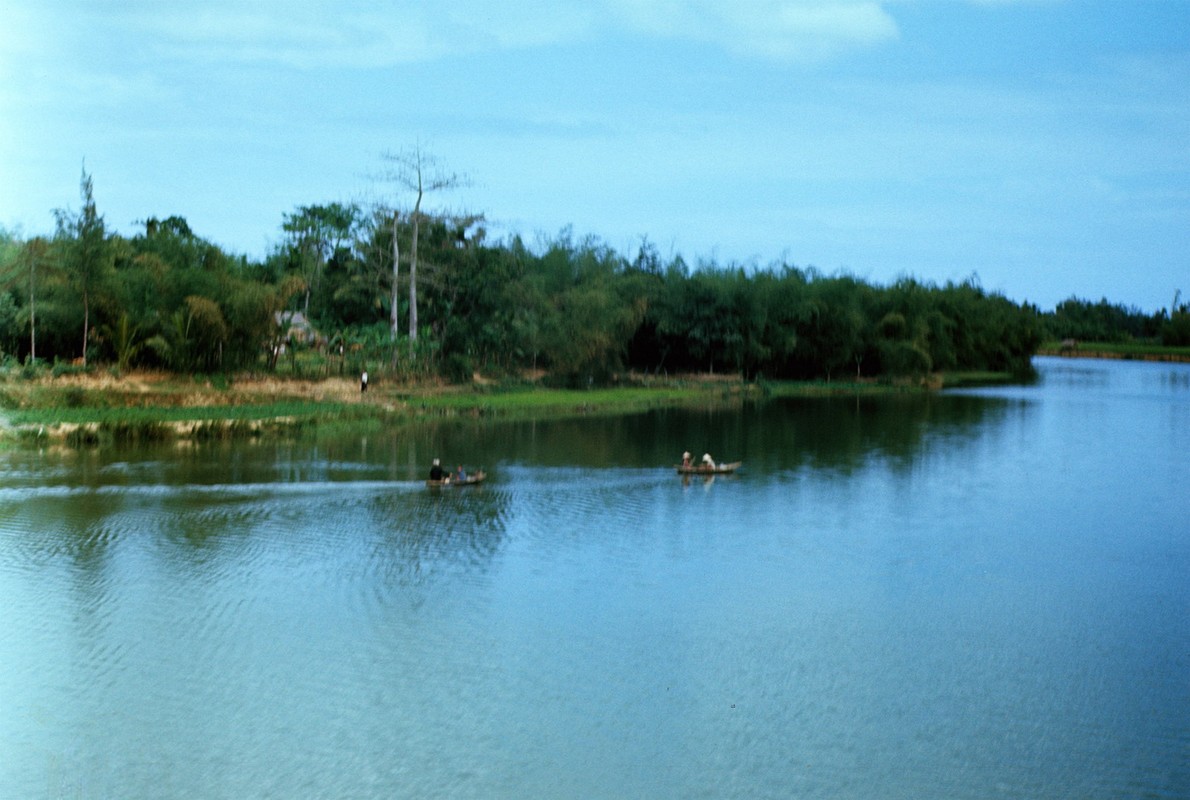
(1119, 352)
(99, 408)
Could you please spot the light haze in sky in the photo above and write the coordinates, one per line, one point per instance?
(1040, 147)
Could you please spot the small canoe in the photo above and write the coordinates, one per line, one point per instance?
(700, 469)
(473, 479)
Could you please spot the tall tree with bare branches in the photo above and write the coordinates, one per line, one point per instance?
(420, 172)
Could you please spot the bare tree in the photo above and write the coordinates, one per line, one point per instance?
(396, 273)
(420, 172)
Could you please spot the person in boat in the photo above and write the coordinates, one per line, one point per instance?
(708, 463)
(460, 474)
(686, 462)
(436, 472)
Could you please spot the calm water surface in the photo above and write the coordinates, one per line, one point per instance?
(982, 594)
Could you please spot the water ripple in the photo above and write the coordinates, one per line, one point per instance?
(832, 625)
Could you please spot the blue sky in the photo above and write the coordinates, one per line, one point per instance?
(1042, 146)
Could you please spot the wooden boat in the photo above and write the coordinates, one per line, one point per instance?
(702, 469)
(474, 479)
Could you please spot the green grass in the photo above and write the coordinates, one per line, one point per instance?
(579, 399)
(955, 380)
(1137, 350)
(56, 415)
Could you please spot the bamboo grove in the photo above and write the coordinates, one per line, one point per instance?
(572, 309)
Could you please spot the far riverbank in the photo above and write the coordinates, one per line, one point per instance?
(1130, 351)
(98, 407)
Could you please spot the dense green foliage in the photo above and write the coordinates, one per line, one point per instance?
(574, 309)
(1085, 321)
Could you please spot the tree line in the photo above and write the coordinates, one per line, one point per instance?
(1102, 321)
(344, 279)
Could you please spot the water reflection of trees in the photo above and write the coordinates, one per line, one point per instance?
(845, 435)
(836, 433)
(427, 535)
(414, 534)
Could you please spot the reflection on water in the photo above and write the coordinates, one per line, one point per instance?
(837, 433)
(976, 594)
(430, 534)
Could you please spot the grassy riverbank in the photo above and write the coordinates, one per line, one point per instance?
(1136, 351)
(94, 408)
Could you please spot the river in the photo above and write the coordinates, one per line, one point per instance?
(975, 594)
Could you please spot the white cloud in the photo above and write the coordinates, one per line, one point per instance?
(1010, 2)
(354, 33)
(776, 29)
(363, 33)
(302, 35)
(369, 33)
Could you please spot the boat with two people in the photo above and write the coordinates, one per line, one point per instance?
(459, 478)
(706, 466)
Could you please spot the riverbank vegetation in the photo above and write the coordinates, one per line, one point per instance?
(341, 281)
(331, 300)
(1114, 330)
(85, 408)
